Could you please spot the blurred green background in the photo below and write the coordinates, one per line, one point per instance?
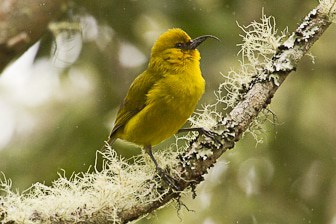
(57, 109)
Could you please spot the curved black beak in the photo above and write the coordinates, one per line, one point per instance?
(194, 43)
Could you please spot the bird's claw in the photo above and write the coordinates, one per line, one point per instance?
(202, 131)
(169, 180)
(208, 134)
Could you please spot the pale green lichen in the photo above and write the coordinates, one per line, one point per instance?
(116, 186)
(328, 7)
(260, 42)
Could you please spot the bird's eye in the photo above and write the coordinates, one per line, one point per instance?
(179, 45)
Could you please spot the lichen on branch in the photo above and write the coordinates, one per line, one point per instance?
(120, 192)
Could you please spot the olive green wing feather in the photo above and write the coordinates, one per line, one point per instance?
(134, 101)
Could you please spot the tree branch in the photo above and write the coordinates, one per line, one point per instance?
(22, 23)
(193, 165)
(121, 192)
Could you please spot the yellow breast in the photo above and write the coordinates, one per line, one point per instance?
(169, 104)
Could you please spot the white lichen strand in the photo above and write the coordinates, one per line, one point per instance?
(328, 7)
(260, 42)
(118, 186)
(274, 79)
(290, 42)
(207, 118)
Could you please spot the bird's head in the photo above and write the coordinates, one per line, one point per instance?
(176, 47)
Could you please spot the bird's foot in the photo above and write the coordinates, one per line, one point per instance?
(202, 131)
(168, 179)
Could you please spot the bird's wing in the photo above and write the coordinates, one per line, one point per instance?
(135, 100)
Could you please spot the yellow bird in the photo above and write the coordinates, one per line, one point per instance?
(162, 98)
